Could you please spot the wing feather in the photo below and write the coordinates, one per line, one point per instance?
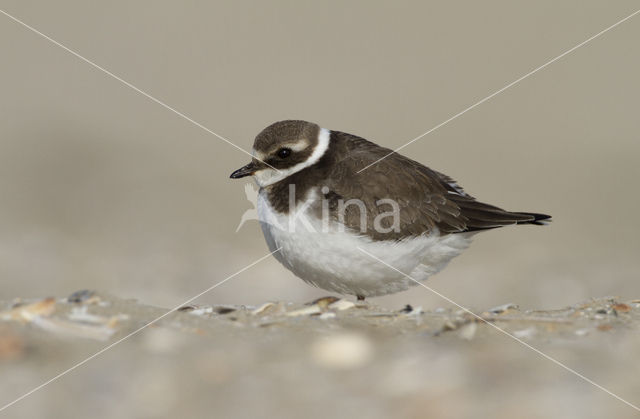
(427, 199)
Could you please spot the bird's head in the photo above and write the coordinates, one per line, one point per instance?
(284, 148)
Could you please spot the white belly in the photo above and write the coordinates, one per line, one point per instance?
(331, 260)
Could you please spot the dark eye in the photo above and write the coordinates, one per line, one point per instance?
(283, 153)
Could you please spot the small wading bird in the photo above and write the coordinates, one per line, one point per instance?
(325, 213)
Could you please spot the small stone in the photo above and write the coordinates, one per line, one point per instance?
(342, 351)
(468, 331)
(525, 333)
(223, 310)
(341, 305)
(323, 302)
(503, 308)
(582, 332)
(83, 297)
(449, 325)
(406, 309)
(621, 307)
(264, 308)
(200, 311)
(306, 311)
(415, 311)
(73, 329)
(11, 345)
(81, 314)
(29, 312)
(161, 340)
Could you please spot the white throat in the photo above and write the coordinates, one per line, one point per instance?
(269, 176)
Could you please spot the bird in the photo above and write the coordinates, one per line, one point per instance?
(331, 203)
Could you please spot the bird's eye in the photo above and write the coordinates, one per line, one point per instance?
(283, 153)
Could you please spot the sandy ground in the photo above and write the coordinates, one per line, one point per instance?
(328, 358)
(104, 189)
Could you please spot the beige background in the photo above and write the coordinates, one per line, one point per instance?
(103, 189)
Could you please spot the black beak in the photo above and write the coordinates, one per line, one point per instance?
(246, 170)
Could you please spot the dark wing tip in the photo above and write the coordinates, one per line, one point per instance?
(538, 219)
(481, 216)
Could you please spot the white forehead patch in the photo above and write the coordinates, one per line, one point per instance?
(269, 176)
(258, 154)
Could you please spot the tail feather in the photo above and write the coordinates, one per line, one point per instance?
(480, 216)
(538, 219)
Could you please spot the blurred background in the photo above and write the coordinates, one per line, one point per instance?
(101, 188)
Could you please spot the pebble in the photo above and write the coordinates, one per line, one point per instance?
(415, 311)
(30, 312)
(341, 305)
(187, 308)
(306, 311)
(449, 325)
(162, 341)
(582, 332)
(81, 314)
(503, 308)
(74, 329)
(342, 351)
(262, 309)
(84, 297)
(621, 307)
(406, 309)
(200, 311)
(223, 309)
(328, 315)
(323, 302)
(468, 331)
(12, 346)
(525, 333)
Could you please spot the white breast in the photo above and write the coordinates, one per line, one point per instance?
(332, 261)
